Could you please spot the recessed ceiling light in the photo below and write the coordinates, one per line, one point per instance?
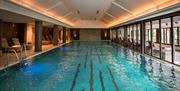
(78, 12)
(97, 12)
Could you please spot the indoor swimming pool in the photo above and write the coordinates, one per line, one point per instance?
(91, 66)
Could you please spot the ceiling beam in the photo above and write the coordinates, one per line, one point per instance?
(120, 6)
(74, 19)
(55, 5)
(66, 15)
(110, 15)
(105, 20)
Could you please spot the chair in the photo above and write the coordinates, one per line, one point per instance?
(50, 37)
(6, 46)
(8, 49)
(20, 47)
(44, 41)
(16, 42)
(4, 43)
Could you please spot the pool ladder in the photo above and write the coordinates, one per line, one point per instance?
(21, 58)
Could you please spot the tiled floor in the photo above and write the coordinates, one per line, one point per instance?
(13, 59)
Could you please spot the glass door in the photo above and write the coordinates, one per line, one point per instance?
(129, 36)
(138, 38)
(119, 35)
(134, 42)
(147, 38)
(155, 39)
(166, 39)
(113, 34)
(122, 34)
(176, 29)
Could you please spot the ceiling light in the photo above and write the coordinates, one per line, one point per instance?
(97, 12)
(78, 12)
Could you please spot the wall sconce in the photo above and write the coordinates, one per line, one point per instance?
(74, 34)
(13, 25)
(105, 33)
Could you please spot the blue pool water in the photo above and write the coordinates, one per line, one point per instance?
(91, 66)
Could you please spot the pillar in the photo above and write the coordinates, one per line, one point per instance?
(151, 37)
(64, 35)
(125, 34)
(143, 33)
(172, 41)
(55, 35)
(111, 34)
(160, 39)
(38, 35)
(1, 31)
(137, 33)
(116, 33)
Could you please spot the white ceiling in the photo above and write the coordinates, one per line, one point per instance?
(102, 10)
(88, 9)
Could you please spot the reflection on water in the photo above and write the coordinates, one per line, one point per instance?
(164, 75)
(81, 62)
(161, 74)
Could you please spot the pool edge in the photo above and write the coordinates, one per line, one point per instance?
(151, 57)
(34, 55)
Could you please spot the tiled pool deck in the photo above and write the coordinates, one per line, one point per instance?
(13, 60)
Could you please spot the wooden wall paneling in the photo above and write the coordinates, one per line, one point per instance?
(14, 30)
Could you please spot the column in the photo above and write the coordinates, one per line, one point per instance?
(151, 37)
(137, 33)
(38, 35)
(160, 39)
(111, 34)
(64, 34)
(125, 35)
(1, 31)
(116, 33)
(55, 35)
(68, 34)
(142, 29)
(172, 41)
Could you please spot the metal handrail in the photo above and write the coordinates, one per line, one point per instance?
(25, 50)
(14, 51)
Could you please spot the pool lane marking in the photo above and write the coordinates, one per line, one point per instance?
(101, 51)
(101, 79)
(113, 80)
(75, 77)
(91, 51)
(83, 89)
(91, 76)
(98, 55)
(86, 59)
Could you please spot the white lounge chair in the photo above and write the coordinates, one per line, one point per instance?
(6, 47)
(16, 42)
